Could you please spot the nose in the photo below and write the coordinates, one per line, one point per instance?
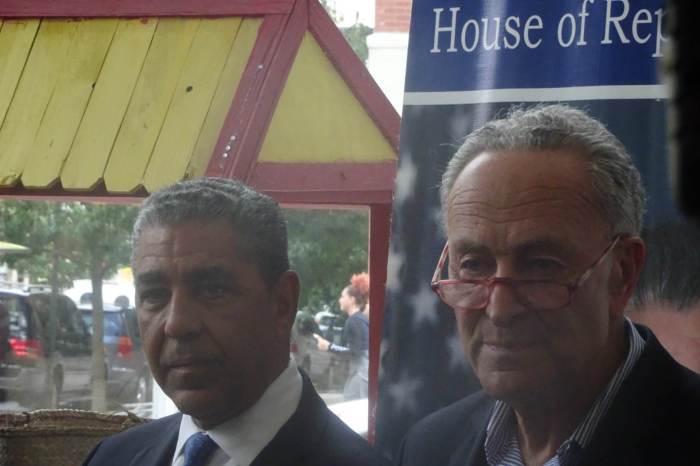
(182, 318)
(503, 307)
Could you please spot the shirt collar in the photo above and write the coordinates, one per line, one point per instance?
(501, 438)
(244, 437)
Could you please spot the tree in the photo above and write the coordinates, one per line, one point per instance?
(68, 241)
(356, 35)
(326, 247)
(103, 232)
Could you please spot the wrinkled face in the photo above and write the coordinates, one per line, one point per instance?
(530, 215)
(214, 333)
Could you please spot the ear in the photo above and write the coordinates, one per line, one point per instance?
(628, 261)
(286, 299)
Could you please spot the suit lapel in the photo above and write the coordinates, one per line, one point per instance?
(638, 411)
(472, 446)
(293, 442)
(159, 449)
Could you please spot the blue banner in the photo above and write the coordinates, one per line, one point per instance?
(501, 44)
(469, 62)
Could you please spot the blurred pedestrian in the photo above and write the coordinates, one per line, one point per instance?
(355, 342)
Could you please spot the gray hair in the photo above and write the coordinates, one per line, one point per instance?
(616, 181)
(255, 219)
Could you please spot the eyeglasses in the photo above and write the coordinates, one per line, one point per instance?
(475, 294)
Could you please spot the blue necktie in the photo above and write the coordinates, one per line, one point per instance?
(198, 448)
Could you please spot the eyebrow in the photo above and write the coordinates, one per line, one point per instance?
(154, 277)
(198, 275)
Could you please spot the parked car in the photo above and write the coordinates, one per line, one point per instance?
(128, 377)
(40, 358)
(330, 325)
(326, 370)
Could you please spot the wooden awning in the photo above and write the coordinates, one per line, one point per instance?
(124, 97)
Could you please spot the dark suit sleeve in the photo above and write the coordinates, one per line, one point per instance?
(89, 457)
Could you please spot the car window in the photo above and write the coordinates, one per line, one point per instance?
(19, 317)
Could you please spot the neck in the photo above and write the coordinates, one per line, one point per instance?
(546, 421)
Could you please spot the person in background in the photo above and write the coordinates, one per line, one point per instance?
(543, 212)
(216, 301)
(667, 297)
(354, 301)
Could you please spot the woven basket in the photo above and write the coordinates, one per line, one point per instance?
(56, 437)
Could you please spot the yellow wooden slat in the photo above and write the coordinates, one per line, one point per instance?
(34, 90)
(95, 137)
(70, 97)
(149, 103)
(221, 103)
(190, 103)
(318, 111)
(16, 39)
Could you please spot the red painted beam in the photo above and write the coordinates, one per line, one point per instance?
(379, 232)
(138, 8)
(59, 194)
(257, 95)
(354, 73)
(331, 198)
(304, 177)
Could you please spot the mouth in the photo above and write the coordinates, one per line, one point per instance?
(188, 363)
(508, 346)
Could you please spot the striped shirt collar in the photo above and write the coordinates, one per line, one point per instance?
(501, 445)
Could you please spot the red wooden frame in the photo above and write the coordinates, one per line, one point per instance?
(379, 233)
(354, 73)
(310, 177)
(257, 95)
(56, 192)
(138, 8)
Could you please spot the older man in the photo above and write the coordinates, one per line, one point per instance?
(542, 210)
(215, 303)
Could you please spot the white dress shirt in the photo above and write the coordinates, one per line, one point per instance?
(242, 438)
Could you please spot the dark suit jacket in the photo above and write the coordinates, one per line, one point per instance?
(654, 420)
(313, 436)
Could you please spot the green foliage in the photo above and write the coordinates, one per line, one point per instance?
(78, 238)
(326, 247)
(356, 35)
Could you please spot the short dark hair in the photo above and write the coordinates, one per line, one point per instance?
(255, 218)
(672, 268)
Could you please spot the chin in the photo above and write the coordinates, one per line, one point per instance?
(511, 385)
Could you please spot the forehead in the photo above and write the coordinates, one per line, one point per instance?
(187, 244)
(516, 197)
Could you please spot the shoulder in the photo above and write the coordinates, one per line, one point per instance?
(314, 436)
(343, 447)
(654, 417)
(439, 436)
(118, 448)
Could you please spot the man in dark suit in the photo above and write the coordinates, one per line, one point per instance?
(543, 210)
(215, 303)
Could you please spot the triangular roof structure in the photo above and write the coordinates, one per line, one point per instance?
(124, 97)
(109, 100)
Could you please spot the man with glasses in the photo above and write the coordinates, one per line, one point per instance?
(542, 211)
